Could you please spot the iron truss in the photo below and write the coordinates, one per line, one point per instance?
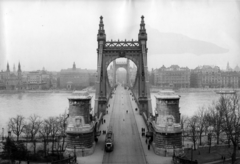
(122, 44)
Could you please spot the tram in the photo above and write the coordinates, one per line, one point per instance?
(109, 141)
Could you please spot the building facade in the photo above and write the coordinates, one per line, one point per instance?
(12, 80)
(34, 80)
(230, 80)
(74, 78)
(172, 77)
(206, 77)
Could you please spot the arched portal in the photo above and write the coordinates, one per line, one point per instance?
(128, 65)
(135, 50)
(117, 65)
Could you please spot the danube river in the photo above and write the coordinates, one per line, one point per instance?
(53, 104)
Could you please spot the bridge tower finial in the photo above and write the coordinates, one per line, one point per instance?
(142, 35)
(101, 32)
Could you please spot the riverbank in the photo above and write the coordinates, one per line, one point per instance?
(33, 91)
(39, 91)
(152, 90)
(156, 90)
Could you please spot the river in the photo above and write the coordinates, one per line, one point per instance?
(53, 104)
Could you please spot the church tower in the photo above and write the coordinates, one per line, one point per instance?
(14, 69)
(19, 76)
(19, 68)
(8, 69)
(74, 66)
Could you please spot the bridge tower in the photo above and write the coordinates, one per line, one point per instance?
(134, 50)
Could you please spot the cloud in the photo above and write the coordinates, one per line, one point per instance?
(174, 43)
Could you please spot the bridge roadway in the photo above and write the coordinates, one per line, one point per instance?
(127, 144)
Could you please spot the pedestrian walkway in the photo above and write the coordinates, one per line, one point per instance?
(97, 156)
(151, 157)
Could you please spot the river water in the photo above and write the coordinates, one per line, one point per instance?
(53, 104)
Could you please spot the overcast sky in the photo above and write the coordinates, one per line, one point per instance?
(54, 34)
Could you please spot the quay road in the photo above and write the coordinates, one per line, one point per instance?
(127, 143)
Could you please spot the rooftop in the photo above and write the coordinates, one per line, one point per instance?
(167, 94)
(80, 95)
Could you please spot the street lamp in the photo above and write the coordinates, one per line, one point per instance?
(74, 151)
(2, 134)
(192, 153)
(210, 128)
(9, 134)
(83, 152)
(198, 134)
(9, 148)
(174, 151)
(53, 144)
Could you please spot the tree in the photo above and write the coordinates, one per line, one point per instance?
(27, 132)
(9, 147)
(231, 120)
(183, 123)
(45, 131)
(214, 117)
(193, 130)
(53, 123)
(16, 125)
(201, 114)
(62, 127)
(34, 127)
(14, 150)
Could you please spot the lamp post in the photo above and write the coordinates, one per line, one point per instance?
(210, 128)
(53, 144)
(9, 134)
(192, 153)
(2, 134)
(9, 148)
(198, 134)
(74, 151)
(83, 152)
(183, 136)
(174, 151)
(59, 148)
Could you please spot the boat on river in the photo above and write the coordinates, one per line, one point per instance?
(226, 92)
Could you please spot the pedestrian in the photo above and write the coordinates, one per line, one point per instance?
(148, 146)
